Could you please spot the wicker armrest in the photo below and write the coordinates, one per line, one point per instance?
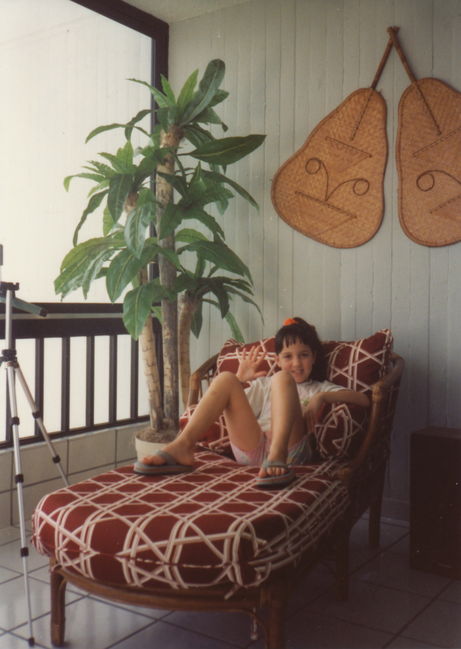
(204, 373)
(379, 425)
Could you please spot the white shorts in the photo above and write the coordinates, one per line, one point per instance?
(299, 453)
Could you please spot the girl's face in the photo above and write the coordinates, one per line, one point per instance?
(298, 360)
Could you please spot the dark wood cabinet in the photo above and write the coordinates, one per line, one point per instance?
(435, 501)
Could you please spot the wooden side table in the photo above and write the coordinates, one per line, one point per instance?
(435, 501)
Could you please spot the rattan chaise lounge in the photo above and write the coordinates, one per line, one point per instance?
(209, 539)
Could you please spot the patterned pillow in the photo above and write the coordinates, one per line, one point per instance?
(359, 363)
(341, 430)
(228, 359)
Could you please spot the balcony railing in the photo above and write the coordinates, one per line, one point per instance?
(71, 335)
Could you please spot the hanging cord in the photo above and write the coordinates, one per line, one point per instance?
(382, 63)
(376, 78)
(392, 31)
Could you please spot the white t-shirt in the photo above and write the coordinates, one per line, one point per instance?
(259, 396)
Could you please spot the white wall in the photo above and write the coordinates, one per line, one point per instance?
(64, 70)
(289, 63)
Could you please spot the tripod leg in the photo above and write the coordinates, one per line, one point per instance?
(36, 414)
(19, 478)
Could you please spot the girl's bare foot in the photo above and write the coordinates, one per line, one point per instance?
(276, 469)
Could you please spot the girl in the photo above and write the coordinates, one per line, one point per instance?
(271, 421)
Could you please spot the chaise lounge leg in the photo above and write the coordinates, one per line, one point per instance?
(374, 523)
(275, 629)
(58, 593)
(342, 565)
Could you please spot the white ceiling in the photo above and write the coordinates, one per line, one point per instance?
(172, 11)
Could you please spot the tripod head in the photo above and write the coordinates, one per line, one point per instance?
(7, 295)
(11, 288)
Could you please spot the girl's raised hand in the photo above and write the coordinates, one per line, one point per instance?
(248, 364)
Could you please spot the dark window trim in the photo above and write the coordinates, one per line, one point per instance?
(142, 22)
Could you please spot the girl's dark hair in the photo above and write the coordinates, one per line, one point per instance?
(298, 330)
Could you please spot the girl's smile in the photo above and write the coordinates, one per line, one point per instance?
(298, 360)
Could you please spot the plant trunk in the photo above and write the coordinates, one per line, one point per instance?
(151, 373)
(167, 275)
(149, 354)
(187, 307)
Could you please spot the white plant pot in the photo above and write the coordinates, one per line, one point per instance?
(144, 449)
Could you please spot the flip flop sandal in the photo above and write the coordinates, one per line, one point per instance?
(276, 481)
(170, 467)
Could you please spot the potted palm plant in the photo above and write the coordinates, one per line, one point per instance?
(160, 243)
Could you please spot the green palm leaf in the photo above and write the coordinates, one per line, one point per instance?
(227, 150)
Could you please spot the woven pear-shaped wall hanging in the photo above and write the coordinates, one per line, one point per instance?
(429, 159)
(331, 189)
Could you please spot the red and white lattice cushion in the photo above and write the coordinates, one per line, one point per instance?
(208, 527)
(359, 363)
(341, 430)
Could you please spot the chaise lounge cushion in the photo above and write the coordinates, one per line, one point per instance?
(208, 527)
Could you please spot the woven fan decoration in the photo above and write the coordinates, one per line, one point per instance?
(331, 189)
(429, 159)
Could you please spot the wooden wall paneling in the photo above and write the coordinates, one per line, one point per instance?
(287, 263)
(272, 153)
(329, 309)
(243, 213)
(260, 185)
(310, 293)
(235, 219)
(224, 28)
(351, 82)
(454, 338)
(438, 344)
(305, 266)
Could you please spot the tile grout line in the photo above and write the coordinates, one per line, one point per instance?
(424, 608)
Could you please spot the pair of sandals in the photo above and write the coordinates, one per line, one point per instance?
(172, 467)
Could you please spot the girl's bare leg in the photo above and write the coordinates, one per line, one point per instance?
(288, 425)
(225, 395)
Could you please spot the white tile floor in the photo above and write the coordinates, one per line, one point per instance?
(389, 606)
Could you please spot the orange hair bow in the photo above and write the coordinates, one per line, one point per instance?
(289, 321)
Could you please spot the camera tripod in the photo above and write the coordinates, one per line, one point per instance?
(13, 371)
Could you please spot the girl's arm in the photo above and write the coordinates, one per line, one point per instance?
(317, 402)
(344, 396)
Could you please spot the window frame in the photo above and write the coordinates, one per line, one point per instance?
(141, 21)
